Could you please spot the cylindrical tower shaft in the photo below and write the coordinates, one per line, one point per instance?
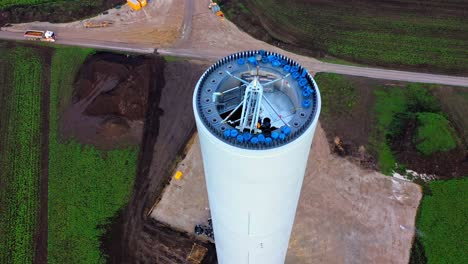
(255, 159)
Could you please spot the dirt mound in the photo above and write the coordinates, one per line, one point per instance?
(113, 127)
(110, 100)
(117, 85)
(55, 12)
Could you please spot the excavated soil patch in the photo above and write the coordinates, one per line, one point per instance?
(110, 100)
(117, 84)
(445, 165)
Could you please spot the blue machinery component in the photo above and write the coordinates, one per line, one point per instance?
(239, 92)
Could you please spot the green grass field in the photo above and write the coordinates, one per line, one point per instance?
(338, 94)
(20, 152)
(442, 222)
(430, 35)
(434, 134)
(86, 186)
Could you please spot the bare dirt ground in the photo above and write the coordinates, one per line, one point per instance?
(109, 101)
(353, 125)
(184, 203)
(169, 125)
(40, 254)
(453, 100)
(158, 24)
(345, 214)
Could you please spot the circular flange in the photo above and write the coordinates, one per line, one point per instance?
(257, 99)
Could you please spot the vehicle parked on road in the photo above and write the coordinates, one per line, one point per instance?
(40, 35)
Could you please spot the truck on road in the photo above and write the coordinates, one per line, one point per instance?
(40, 35)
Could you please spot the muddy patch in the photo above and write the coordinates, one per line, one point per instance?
(169, 125)
(348, 128)
(109, 100)
(445, 165)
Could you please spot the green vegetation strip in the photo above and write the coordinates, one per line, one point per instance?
(434, 134)
(20, 154)
(396, 106)
(389, 103)
(86, 186)
(442, 222)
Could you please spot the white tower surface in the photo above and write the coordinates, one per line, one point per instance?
(256, 114)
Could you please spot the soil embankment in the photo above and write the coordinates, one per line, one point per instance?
(55, 12)
(112, 94)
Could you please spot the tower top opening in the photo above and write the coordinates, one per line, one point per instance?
(256, 99)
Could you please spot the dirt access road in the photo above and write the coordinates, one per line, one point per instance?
(157, 25)
(189, 29)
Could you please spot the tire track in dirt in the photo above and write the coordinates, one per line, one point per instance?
(41, 237)
(169, 126)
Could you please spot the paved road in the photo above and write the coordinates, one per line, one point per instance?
(314, 66)
(103, 45)
(213, 55)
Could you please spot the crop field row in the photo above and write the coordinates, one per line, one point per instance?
(87, 186)
(20, 154)
(431, 35)
(7, 3)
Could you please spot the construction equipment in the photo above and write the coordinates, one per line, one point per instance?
(137, 4)
(197, 254)
(216, 9)
(90, 24)
(40, 35)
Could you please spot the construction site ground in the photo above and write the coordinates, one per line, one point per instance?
(157, 25)
(345, 214)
